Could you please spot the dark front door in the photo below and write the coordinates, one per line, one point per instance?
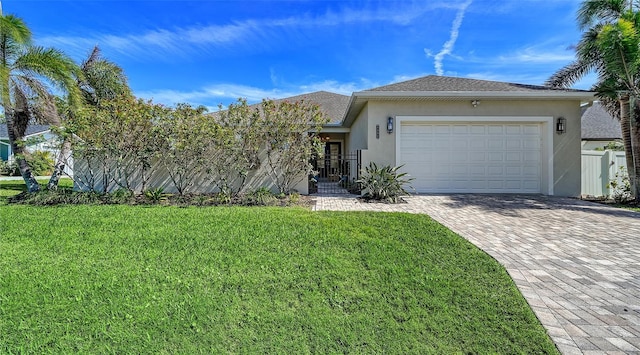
(332, 153)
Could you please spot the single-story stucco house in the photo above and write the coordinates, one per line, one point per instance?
(599, 128)
(458, 135)
(452, 135)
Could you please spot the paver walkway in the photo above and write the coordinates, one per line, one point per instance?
(577, 263)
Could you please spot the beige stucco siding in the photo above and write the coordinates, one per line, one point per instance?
(359, 135)
(565, 176)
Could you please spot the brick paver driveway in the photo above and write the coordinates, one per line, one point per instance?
(577, 263)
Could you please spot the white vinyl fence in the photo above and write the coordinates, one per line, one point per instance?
(598, 169)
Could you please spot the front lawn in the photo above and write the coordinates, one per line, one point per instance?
(135, 279)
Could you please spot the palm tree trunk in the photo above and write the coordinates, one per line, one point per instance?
(625, 126)
(18, 153)
(635, 147)
(58, 169)
(65, 150)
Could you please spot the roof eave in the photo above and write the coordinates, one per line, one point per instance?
(353, 110)
(557, 95)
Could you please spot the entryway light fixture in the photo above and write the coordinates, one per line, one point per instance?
(475, 103)
(561, 125)
(389, 125)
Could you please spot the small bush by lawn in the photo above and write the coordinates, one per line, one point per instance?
(14, 192)
(136, 279)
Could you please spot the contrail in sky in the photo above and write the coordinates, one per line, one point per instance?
(453, 36)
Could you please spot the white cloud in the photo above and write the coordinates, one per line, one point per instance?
(453, 37)
(535, 56)
(213, 95)
(509, 77)
(249, 33)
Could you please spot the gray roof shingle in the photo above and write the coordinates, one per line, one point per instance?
(31, 129)
(333, 105)
(598, 124)
(448, 83)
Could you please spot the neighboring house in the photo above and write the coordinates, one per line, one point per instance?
(39, 138)
(599, 128)
(40, 135)
(456, 135)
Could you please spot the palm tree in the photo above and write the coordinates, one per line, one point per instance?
(24, 72)
(99, 79)
(610, 47)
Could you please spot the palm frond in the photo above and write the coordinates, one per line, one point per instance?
(15, 30)
(568, 75)
(102, 79)
(595, 11)
(21, 116)
(49, 63)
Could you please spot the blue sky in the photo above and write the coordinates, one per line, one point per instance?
(211, 52)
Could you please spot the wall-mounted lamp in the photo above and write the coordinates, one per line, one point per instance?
(475, 103)
(561, 125)
(389, 125)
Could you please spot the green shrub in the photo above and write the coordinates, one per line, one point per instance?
(9, 169)
(40, 162)
(155, 195)
(620, 186)
(260, 197)
(383, 184)
(119, 197)
(616, 146)
(223, 198)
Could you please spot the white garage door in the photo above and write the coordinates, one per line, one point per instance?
(478, 157)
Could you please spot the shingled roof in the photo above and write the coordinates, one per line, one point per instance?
(598, 124)
(434, 87)
(333, 105)
(31, 129)
(446, 83)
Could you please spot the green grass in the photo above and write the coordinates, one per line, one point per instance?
(10, 188)
(134, 279)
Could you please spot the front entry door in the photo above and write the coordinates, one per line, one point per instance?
(332, 154)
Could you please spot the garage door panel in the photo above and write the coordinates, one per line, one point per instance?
(477, 144)
(442, 129)
(474, 157)
(531, 143)
(532, 129)
(478, 156)
(513, 130)
(493, 143)
(513, 171)
(512, 143)
(495, 171)
(495, 156)
(533, 157)
(478, 129)
(494, 129)
(460, 129)
(460, 170)
(531, 185)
